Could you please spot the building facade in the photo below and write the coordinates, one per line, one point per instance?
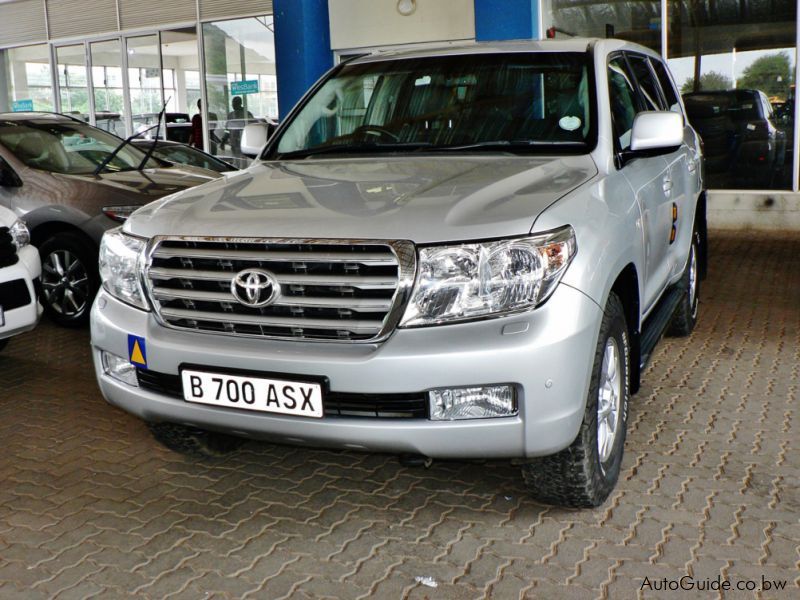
(115, 63)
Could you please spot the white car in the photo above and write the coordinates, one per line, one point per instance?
(20, 270)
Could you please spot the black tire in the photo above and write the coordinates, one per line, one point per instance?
(70, 278)
(579, 476)
(193, 441)
(685, 317)
(3, 343)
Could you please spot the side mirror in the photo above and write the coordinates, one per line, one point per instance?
(254, 138)
(656, 131)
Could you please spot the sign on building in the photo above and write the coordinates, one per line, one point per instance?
(239, 88)
(22, 105)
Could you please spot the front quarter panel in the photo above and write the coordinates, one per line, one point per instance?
(608, 231)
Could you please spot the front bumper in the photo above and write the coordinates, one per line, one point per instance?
(22, 317)
(546, 353)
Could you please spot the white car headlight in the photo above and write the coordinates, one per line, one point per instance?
(469, 281)
(20, 234)
(121, 256)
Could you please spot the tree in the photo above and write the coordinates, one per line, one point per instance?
(708, 81)
(772, 74)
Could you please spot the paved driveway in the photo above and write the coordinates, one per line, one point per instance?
(91, 506)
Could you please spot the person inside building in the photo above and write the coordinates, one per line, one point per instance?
(196, 137)
(237, 119)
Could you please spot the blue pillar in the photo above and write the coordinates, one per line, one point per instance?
(302, 47)
(506, 20)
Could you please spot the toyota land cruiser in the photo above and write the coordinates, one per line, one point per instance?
(468, 252)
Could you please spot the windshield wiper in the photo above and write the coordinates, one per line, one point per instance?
(119, 147)
(150, 150)
(353, 148)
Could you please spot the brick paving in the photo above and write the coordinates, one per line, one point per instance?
(91, 506)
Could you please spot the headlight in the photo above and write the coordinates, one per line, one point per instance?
(20, 234)
(120, 262)
(456, 283)
(120, 214)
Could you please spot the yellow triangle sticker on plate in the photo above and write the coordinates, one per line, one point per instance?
(136, 355)
(137, 351)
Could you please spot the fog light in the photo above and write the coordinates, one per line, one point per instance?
(480, 402)
(120, 369)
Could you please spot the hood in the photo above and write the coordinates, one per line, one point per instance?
(89, 193)
(146, 185)
(420, 198)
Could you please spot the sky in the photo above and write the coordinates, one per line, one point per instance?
(683, 68)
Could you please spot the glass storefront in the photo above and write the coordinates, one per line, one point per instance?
(240, 80)
(25, 79)
(635, 20)
(144, 81)
(73, 83)
(734, 63)
(109, 97)
(180, 73)
(121, 84)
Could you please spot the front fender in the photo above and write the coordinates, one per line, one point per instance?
(93, 227)
(608, 230)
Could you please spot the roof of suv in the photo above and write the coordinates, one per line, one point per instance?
(604, 45)
(566, 45)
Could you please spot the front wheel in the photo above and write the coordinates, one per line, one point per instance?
(70, 278)
(585, 473)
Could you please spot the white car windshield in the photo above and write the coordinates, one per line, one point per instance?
(68, 147)
(519, 102)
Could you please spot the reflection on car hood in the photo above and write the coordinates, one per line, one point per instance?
(148, 184)
(425, 199)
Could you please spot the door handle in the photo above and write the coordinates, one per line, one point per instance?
(691, 166)
(667, 186)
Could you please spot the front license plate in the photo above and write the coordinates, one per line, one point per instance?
(253, 393)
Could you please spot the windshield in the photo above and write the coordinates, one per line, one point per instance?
(67, 147)
(513, 102)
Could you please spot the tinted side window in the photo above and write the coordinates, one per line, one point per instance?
(622, 97)
(648, 85)
(666, 85)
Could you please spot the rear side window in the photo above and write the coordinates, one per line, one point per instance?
(666, 86)
(648, 86)
(622, 97)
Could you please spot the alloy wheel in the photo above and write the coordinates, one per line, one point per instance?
(609, 401)
(65, 283)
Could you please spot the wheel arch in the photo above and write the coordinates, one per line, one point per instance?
(626, 287)
(46, 230)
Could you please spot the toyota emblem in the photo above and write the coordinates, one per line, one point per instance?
(255, 288)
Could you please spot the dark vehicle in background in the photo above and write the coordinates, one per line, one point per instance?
(71, 182)
(745, 146)
(182, 154)
(179, 125)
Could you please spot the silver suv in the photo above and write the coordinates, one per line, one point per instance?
(459, 253)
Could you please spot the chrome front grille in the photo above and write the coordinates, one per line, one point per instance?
(329, 289)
